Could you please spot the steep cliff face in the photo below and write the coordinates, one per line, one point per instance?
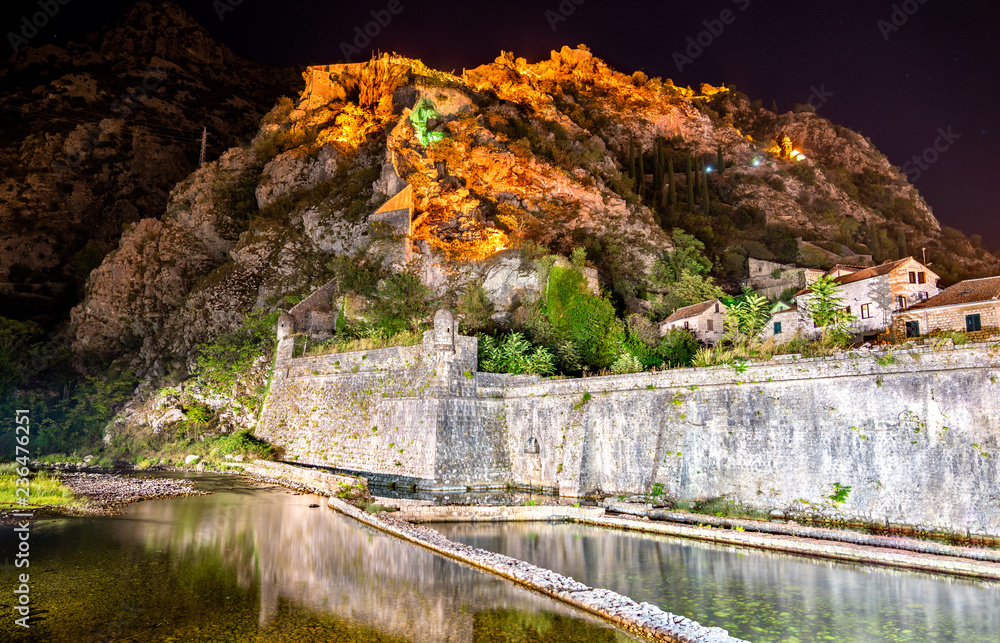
(566, 152)
(94, 136)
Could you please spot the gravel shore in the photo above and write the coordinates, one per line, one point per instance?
(107, 493)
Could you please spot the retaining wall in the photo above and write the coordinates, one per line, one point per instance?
(915, 437)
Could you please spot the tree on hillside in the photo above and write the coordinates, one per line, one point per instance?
(688, 256)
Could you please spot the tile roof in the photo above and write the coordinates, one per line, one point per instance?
(690, 311)
(964, 292)
(867, 273)
(402, 201)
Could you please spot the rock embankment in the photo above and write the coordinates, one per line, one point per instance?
(108, 493)
(643, 619)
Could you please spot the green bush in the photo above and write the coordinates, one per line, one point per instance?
(678, 348)
(400, 302)
(514, 354)
(627, 363)
(586, 320)
(475, 311)
(221, 362)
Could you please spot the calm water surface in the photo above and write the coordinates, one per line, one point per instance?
(257, 564)
(759, 596)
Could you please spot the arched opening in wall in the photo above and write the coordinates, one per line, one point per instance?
(532, 446)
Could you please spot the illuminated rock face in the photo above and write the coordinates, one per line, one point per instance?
(527, 154)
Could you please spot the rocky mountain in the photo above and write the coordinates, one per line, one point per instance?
(94, 136)
(482, 170)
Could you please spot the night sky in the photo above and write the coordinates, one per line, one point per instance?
(901, 73)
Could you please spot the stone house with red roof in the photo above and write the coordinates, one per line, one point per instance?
(704, 320)
(871, 295)
(969, 306)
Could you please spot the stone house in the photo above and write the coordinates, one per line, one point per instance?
(770, 279)
(704, 320)
(784, 324)
(969, 306)
(871, 295)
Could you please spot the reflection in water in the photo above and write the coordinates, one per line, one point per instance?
(260, 565)
(756, 595)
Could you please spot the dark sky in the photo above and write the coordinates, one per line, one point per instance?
(930, 67)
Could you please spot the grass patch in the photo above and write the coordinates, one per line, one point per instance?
(375, 341)
(145, 451)
(584, 400)
(44, 489)
(721, 507)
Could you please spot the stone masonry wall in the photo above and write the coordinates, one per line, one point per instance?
(917, 440)
(406, 412)
(915, 436)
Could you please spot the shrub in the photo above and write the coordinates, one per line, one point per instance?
(584, 319)
(678, 347)
(627, 363)
(475, 310)
(400, 302)
(515, 355)
(221, 361)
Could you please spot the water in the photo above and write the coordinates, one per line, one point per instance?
(756, 595)
(257, 564)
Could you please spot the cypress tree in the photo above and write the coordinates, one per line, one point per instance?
(706, 203)
(670, 176)
(690, 184)
(774, 106)
(721, 161)
(641, 178)
(657, 174)
(631, 160)
(901, 242)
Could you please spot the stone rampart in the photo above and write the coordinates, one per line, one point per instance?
(914, 436)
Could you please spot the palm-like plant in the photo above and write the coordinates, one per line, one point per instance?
(826, 307)
(746, 318)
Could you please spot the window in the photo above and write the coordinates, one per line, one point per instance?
(900, 301)
(711, 324)
(777, 328)
(686, 325)
(716, 310)
(921, 278)
(866, 311)
(912, 329)
(532, 446)
(913, 277)
(973, 323)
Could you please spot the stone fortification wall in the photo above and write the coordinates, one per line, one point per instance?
(408, 412)
(914, 436)
(915, 439)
